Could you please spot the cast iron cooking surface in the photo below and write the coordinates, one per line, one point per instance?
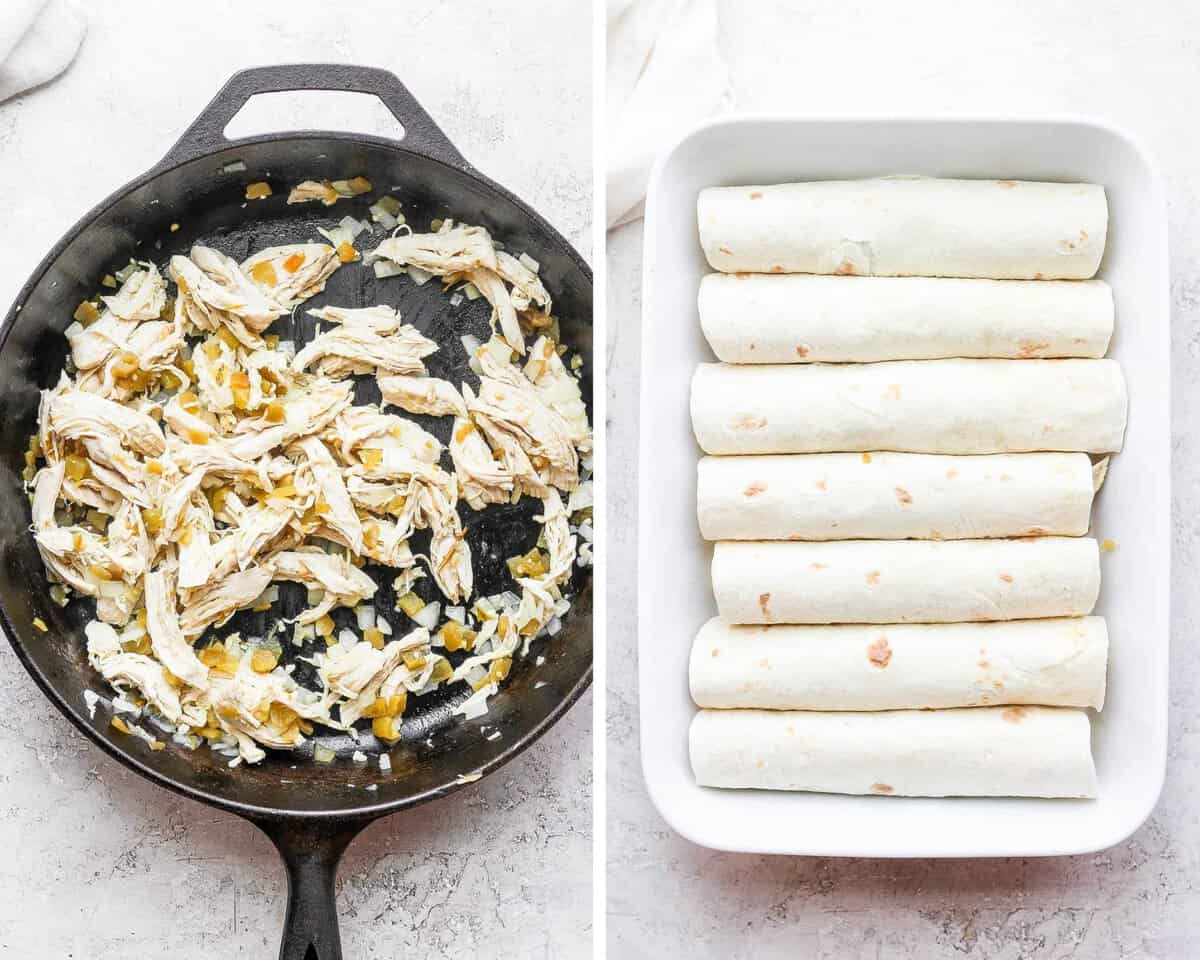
(209, 206)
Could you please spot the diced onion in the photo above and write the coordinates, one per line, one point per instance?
(476, 673)
(74, 330)
(346, 637)
(358, 756)
(337, 236)
(352, 227)
(418, 275)
(365, 615)
(529, 262)
(586, 532)
(470, 291)
(383, 626)
(470, 343)
(428, 615)
(581, 497)
(553, 626)
(287, 348)
(236, 167)
(111, 588)
(505, 599)
(458, 614)
(455, 299)
(385, 762)
(386, 268)
(302, 632)
(323, 754)
(380, 214)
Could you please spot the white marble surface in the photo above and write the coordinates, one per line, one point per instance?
(1139, 900)
(99, 864)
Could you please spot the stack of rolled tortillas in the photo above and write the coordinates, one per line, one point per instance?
(906, 429)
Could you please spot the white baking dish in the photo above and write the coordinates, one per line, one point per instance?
(1133, 509)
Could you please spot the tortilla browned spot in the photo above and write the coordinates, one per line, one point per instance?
(873, 577)
(1006, 577)
(1031, 348)
(821, 485)
(1006, 184)
(755, 488)
(903, 495)
(763, 600)
(819, 566)
(801, 350)
(951, 473)
(756, 195)
(1014, 714)
(716, 652)
(846, 269)
(749, 422)
(882, 788)
(725, 250)
(879, 653)
(983, 664)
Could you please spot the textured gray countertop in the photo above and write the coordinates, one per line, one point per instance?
(100, 864)
(1139, 899)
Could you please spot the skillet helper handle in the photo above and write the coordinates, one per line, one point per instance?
(311, 852)
(207, 132)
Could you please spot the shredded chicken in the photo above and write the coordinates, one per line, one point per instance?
(357, 348)
(187, 465)
(427, 395)
(292, 274)
(342, 582)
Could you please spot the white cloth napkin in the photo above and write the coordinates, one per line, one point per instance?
(38, 41)
(665, 74)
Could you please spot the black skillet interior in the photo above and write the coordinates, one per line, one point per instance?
(207, 202)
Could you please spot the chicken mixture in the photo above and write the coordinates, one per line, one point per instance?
(188, 460)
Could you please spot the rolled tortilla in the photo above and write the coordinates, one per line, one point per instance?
(895, 496)
(905, 581)
(754, 318)
(907, 226)
(1059, 663)
(976, 752)
(919, 406)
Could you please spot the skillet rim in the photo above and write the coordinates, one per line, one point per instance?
(364, 812)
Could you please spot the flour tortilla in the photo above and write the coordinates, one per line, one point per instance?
(907, 226)
(894, 496)
(905, 581)
(975, 752)
(1059, 662)
(918, 406)
(755, 318)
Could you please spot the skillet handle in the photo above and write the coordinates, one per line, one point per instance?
(207, 132)
(311, 852)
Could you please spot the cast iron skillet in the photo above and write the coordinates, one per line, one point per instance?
(310, 811)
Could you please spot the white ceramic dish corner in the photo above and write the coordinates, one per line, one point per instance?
(1129, 737)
